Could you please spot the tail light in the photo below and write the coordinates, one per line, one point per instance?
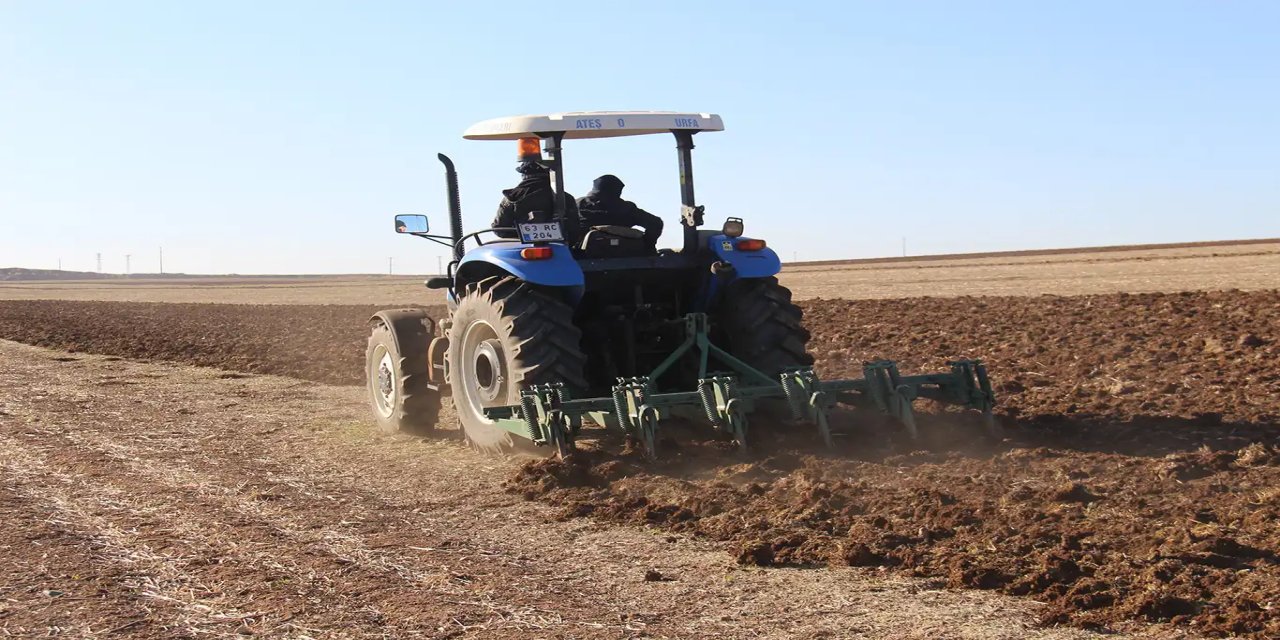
(536, 253)
(750, 245)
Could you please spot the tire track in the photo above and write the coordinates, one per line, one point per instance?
(161, 577)
(158, 464)
(156, 489)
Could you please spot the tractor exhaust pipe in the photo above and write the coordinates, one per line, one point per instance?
(455, 204)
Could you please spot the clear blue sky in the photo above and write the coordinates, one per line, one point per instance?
(280, 137)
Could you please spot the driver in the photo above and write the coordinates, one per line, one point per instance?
(532, 200)
(603, 205)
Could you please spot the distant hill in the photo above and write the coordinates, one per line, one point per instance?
(18, 273)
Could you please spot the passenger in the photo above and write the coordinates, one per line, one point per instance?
(604, 205)
(533, 200)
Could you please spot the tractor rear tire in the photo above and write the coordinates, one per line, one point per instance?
(397, 373)
(507, 335)
(762, 327)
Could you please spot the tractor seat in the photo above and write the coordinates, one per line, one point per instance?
(612, 241)
(704, 236)
(619, 231)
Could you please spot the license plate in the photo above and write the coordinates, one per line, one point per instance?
(541, 232)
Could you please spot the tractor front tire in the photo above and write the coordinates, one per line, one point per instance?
(397, 374)
(507, 335)
(763, 327)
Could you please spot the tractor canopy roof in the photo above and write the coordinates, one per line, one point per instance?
(593, 124)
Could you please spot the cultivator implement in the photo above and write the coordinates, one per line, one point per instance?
(548, 416)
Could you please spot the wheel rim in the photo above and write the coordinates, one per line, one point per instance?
(383, 379)
(482, 370)
(489, 371)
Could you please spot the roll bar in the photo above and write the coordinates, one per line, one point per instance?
(690, 212)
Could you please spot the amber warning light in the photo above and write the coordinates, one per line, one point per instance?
(530, 149)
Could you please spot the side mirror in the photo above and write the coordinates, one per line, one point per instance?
(411, 223)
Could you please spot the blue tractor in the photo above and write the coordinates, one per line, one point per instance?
(554, 326)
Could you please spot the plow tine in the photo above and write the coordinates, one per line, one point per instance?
(725, 410)
(890, 394)
(989, 401)
(648, 429)
(542, 414)
(905, 414)
(808, 402)
(976, 393)
(824, 429)
(635, 414)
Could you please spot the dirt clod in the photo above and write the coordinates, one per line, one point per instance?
(653, 575)
(1073, 492)
(1251, 341)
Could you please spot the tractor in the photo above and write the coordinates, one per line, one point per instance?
(553, 328)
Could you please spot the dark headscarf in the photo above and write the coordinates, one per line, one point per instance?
(530, 167)
(534, 179)
(607, 187)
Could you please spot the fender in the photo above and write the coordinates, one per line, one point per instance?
(746, 264)
(413, 332)
(560, 270)
(408, 326)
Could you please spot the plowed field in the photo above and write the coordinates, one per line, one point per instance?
(1139, 482)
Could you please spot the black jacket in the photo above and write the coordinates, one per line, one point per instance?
(604, 205)
(533, 200)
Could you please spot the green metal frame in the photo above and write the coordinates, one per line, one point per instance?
(547, 416)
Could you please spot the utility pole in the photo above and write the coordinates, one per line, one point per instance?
(99, 263)
(126, 263)
(904, 246)
(439, 265)
(161, 260)
(389, 265)
(59, 264)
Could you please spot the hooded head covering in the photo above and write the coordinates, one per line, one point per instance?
(535, 181)
(531, 167)
(607, 187)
